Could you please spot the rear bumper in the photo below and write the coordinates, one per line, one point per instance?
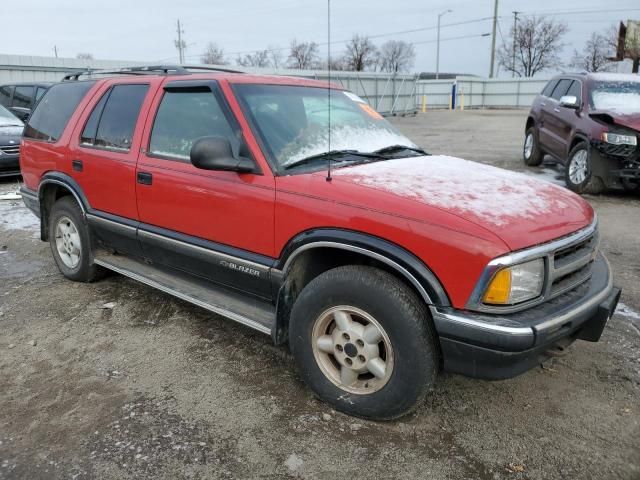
(30, 199)
(498, 347)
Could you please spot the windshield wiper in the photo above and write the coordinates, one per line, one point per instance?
(333, 153)
(399, 148)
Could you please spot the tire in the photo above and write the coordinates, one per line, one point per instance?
(532, 154)
(579, 171)
(71, 243)
(631, 185)
(398, 332)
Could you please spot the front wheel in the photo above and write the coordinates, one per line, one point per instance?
(579, 175)
(364, 342)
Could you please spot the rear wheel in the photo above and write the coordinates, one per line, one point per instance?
(71, 242)
(531, 152)
(364, 342)
(579, 175)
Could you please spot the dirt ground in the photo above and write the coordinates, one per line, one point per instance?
(155, 388)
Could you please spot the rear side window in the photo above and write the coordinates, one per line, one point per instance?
(53, 112)
(113, 120)
(561, 89)
(5, 95)
(185, 116)
(22, 96)
(549, 88)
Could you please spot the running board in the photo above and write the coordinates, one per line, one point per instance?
(249, 311)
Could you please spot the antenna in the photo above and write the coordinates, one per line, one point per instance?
(329, 85)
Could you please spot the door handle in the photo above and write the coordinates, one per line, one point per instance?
(544, 104)
(557, 110)
(77, 165)
(145, 178)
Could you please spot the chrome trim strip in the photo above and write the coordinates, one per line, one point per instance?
(364, 251)
(436, 314)
(58, 182)
(544, 251)
(212, 308)
(205, 251)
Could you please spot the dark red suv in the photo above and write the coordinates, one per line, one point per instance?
(378, 263)
(590, 123)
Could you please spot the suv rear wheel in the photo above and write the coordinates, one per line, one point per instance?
(364, 342)
(579, 171)
(531, 152)
(70, 241)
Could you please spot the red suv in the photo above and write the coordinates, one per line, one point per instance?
(590, 123)
(379, 264)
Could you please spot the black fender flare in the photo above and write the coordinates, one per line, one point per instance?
(395, 256)
(67, 182)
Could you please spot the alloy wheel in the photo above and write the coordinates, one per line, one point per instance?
(352, 349)
(578, 167)
(68, 242)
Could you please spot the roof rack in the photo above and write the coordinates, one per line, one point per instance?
(147, 70)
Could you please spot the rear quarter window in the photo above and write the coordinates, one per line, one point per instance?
(54, 110)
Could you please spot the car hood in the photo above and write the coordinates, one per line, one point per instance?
(10, 132)
(629, 120)
(522, 211)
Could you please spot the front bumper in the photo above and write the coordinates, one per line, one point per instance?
(9, 165)
(503, 346)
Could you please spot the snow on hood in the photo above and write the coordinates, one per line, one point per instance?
(493, 197)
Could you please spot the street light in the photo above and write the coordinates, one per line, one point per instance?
(438, 42)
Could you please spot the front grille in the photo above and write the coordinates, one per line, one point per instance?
(571, 265)
(10, 149)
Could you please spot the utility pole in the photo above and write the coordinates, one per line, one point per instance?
(55, 51)
(493, 37)
(438, 44)
(180, 43)
(513, 55)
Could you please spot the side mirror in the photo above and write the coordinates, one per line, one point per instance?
(569, 101)
(215, 153)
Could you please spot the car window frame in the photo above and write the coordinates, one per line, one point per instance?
(12, 89)
(31, 97)
(557, 85)
(198, 85)
(107, 94)
(579, 96)
(553, 81)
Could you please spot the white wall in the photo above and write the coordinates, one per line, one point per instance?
(480, 92)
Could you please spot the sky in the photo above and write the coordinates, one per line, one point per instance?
(145, 30)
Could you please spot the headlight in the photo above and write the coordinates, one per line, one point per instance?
(516, 284)
(617, 139)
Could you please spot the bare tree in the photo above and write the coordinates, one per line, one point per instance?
(303, 55)
(360, 53)
(538, 43)
(396, 56)
(276, 58)
(84, 56)
(213, 55)
(256, 59)
(593, 57)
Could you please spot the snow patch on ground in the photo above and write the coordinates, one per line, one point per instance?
(491, 194)
(14, 216)
(547, 174)
(626, 311)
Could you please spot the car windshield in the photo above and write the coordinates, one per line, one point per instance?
(293, 124)
(619, 96)
(8, 119)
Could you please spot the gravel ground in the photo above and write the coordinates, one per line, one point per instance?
(155, 388)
